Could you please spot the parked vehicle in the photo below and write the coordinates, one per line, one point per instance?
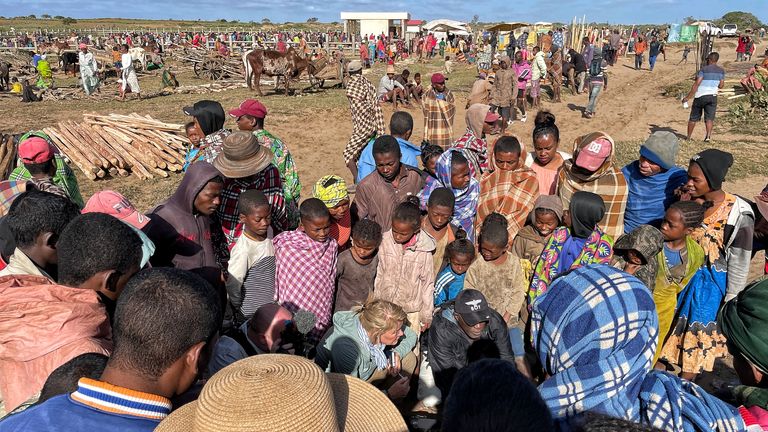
(730, 30)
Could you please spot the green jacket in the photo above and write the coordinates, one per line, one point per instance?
(342, 351)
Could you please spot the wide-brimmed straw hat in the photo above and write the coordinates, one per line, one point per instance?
(242, 156)
(278, 392)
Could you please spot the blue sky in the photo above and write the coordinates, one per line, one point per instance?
(614, 11)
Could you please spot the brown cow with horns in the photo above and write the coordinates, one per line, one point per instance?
(287, 65)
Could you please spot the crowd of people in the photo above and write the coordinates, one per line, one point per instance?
(506, 289)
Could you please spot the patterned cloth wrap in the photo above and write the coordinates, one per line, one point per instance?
(597, 250)
(465, 206)
(595, 332)
(332, 194)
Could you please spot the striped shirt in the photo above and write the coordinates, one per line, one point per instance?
(118, 400)
(251, 282)
(711, 76)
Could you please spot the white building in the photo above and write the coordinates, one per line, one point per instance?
(359, 24)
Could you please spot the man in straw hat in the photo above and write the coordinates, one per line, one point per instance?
(154, 358)
(278, 392)
(246, 164)
(390, 89)
(367, 118)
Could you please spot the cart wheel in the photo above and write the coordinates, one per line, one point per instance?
(212, 69)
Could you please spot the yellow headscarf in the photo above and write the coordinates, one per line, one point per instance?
(331, 190)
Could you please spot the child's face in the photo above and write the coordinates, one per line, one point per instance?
(460, 263)
(417, 79)
(673, 226)
(317, 229)
(439, 216)
(460, 176)
(431, 164)
(507, 161)
(363, 250)
(634, 257)
(194, 136)
(257, 221)
(490, 251)
(403, 231)
(545, 222)
(339, 210)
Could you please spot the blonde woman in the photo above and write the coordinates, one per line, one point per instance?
(371, 342)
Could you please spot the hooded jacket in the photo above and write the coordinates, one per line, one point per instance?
(406, 276)
(43, 326)
(182, 235)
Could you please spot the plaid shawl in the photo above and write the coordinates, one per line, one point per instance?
(367, 118)
(305, 276)
(438, 118)
(607, 181)
(511, 193)
(595, 333)
(465, 206)
(597, 250)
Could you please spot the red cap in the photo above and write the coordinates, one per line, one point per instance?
(250, 107)
(593, 155)
(491, 117)
(114, 204)
(82, 45)
(438, 78)
(35, 150)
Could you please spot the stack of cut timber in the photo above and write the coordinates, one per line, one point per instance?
(120, 145)
(7, 155)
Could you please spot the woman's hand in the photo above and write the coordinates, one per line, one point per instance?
(394, 369)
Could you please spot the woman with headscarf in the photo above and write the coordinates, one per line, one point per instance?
(579, 243)
(595, 332)
(453, 171)
(480, 122)
(209, 119)
(510, 189)
(744, 322)
(592, 169)
(726, 237)
(332, 191)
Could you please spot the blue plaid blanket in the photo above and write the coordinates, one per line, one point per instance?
(595, 333)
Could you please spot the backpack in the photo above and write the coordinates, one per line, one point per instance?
(596, 67)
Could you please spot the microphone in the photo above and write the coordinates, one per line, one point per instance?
(305, 321)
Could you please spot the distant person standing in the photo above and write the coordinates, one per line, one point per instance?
(88, 70)
(128, 74)
(653, 51)
(704, 93)
(640, 47)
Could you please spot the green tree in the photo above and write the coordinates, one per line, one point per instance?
(312, 20)
(58, 17)
(45, 16)
(266, 21)
(68, 21)
(743, 20)
(32, 16)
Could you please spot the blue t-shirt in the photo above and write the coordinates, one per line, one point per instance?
(62, 414)
(711, 76)
(674, 258)
(366, 164)
(447, 285)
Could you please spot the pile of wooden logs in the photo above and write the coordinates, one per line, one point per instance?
(120, 145)
(7, 155)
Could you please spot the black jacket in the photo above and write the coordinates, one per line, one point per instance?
(447, 345)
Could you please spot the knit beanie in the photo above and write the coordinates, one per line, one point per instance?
(661, 148)
(714, 163)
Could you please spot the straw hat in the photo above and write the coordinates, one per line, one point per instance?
(390, 69)
(242, 156)
(277, 392)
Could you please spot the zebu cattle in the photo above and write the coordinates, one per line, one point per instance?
(287, 65)
(69, 61)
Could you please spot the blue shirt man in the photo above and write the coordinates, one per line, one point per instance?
(400, 127)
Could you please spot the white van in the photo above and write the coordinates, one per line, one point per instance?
(730, 30)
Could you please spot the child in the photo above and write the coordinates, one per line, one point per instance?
(417, 90)
(251, 281)
(448, 65)
(635, 253)
(306, 266)
(547, 215)
(437, 223)
(581, 242)
(356, 267)
(686, 51)
(195, 137)
(332, 190)
(680, 258)
(499, 276)
(405, 275)
(429, 155)
(459, 256)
